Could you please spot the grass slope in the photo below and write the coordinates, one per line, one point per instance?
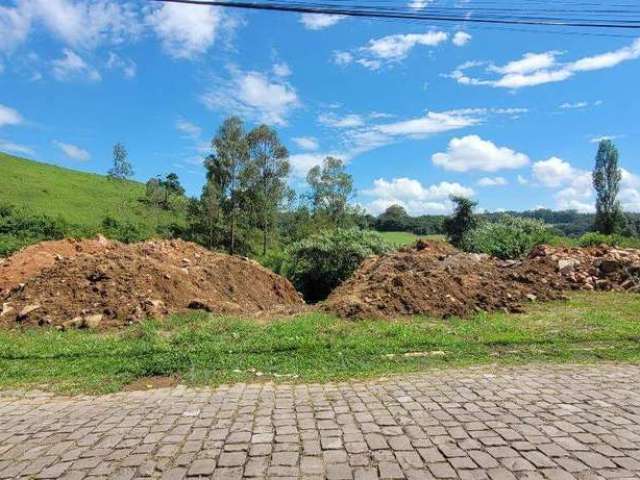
(83, 199)
(405, 238)
(207, 350)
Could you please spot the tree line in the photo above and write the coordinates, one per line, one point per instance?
(247, 202)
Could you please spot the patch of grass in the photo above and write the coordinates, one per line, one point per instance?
(205, 350)
(82, 199)
(406, 238)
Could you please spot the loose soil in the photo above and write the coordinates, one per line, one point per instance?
(103, 284)
(439, 281)
(32, 260)
(118, 284)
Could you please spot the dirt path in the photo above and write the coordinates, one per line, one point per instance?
(535, 422)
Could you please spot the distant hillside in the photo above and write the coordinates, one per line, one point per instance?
(82, 199)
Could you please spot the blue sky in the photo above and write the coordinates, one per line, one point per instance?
(419, 111)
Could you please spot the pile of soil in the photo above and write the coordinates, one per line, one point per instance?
(119, 284)
(32, 260)
(439, 281)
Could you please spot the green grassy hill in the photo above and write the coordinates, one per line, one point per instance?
(83, 199)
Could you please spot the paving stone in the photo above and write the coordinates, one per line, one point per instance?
(339, 472)
(530, 423)
(202, 467)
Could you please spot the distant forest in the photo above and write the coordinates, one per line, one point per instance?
(566, 222)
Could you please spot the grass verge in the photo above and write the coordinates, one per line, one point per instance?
(206, 350)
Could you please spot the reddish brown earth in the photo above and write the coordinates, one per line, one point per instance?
(100, 284)
(32, 260)
(121, 284)
(437, 280)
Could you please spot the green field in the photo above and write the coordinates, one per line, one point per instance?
(207, 350)
(405, 238)
(82, 199)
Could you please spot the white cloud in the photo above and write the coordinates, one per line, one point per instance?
(416, 198)
(522, 180)
(9, 116)
(574, 186)
(8, 146)
(460, 39)
(418, 4)
(397, 47)
(186, 31)
(553, 172)
(574, 105)
(189, 129)
(72, 66)
(575, 190)
(473, 153)
(540, 68)
(318, 21)
(362, 133)
(347, 121)
(492, 182)
(14, 27)
(281, 70)
(342, 58)
(529, 63)
(73, 151)
(127, 66)
(306, 143)
(389, 49)
(432, 122)
(254, 95)
(85, 24)
(301, 163)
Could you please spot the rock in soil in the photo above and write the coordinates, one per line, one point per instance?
(433, 280)
(118, 284)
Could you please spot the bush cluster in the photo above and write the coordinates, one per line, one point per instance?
(508, 237)
(318, 264)
(19, 228)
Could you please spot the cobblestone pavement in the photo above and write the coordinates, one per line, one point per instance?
(536, 422)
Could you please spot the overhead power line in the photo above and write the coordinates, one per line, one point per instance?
(590, 15)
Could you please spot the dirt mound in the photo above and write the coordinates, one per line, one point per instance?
(32, 260)
(124, 283)
(439, 283)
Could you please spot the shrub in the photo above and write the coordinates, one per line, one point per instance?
(126, 232)
(462, 222)
(319, 263)
(19, 228)
(508, 238)
(275, 260)
(10, 244)
(593, 239)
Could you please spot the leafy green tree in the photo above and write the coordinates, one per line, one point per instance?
(331, 187)
(229, 169)
(122, 168)
(269, 171)
(172, 183)
(606, 182)
(394, 219)
(212, 213)
(463, 221)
